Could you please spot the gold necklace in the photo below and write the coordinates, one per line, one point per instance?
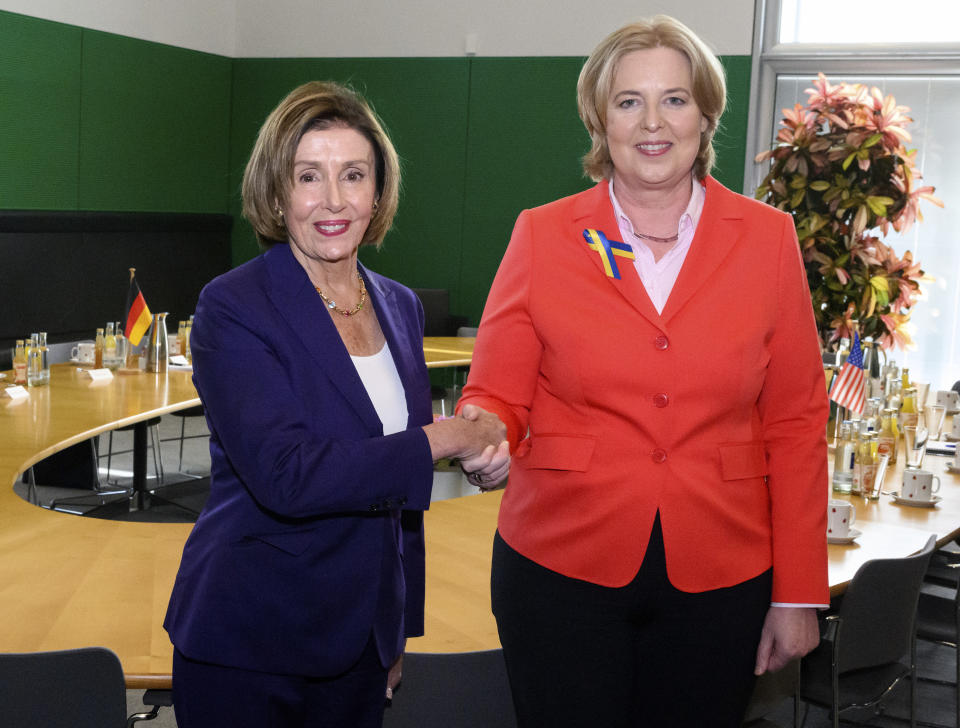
(342, 311)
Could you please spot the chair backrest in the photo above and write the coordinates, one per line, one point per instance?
(879, 609)
(457, 690)
(81, 688)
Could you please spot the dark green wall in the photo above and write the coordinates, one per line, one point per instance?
(90, 120)
(95, 121)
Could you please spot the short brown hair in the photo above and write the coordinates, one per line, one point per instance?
(596, 84)
(268, 178)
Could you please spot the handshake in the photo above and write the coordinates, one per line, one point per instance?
(477, 438)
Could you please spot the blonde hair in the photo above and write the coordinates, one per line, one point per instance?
(268, 178)
(596, 84)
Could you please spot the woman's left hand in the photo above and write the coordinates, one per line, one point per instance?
(393, 676)
(488, 469)
(788, 633)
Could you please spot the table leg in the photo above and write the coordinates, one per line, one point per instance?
(140, 463)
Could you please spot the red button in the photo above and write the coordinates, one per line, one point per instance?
(661, 400)
(659, 456)
(661, 342)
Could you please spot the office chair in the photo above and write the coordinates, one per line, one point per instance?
(81, 688)
(153, 427)
(938, 616)
(75, 467)
(861, 654)
(770, 691)
(456, 690)
(194, 412)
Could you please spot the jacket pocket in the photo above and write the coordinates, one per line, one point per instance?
(560, 452)
(290, 542)
(743, 460)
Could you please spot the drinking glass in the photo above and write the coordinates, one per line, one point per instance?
(934, 414)
(915, 445)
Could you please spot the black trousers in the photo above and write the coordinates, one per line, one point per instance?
(645, 654)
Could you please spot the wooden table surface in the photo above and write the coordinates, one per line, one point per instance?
(448, 351)
(68, 581)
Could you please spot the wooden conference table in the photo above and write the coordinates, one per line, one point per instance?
(68, 581)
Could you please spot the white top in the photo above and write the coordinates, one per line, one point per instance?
(382, 382)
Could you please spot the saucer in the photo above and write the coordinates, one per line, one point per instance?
(916, 502)
(849, 538)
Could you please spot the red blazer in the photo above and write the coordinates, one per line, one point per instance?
(712, 413)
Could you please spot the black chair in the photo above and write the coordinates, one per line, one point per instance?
(456, 690)
(938, 613)
(191, 412)
(81, 688)
(75, 467)
(153, 427)
(156, 699)
(862, 654)
(770, 691)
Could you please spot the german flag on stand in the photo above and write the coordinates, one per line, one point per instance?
(137, 320)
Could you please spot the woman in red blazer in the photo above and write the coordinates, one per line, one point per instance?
(650, 345)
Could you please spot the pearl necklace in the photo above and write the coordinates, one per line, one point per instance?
(332, 305)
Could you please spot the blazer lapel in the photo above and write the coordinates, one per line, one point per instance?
(298, 302)
(400, 331)
(594, 210)
(717, 232)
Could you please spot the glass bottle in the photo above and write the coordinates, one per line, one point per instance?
(19, 363)
(186, 338)
(844, 459)
(905, 377)
(110, 347)
(889, 435)
(34, 374)
(44, 357)
(98, 350)
(182, 338)
(908, 409)
(865, 470)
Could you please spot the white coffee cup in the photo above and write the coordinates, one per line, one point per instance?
(956, 427)
(919, 484)
(955, 463)
(83, 352)
(949, 399)
(841, 515)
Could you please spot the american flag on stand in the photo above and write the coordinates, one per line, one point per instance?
(848, 388)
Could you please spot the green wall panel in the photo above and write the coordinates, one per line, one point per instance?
(525, 145)
(91, 120)
(154, 127)
(39, 113)
(423, 103)
(730, 141)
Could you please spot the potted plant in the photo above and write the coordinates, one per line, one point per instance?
(839, 166)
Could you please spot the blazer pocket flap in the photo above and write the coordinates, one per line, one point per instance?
(291, 542)
(743, 460)
(561, 452)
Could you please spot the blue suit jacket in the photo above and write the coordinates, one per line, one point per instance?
(312, 538)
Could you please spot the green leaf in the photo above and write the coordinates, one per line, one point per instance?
(871, 141)
(848, 161)
(820, 185)
(798, 182)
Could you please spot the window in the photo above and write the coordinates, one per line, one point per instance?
(864, 42)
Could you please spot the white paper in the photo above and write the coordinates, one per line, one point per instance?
(99, 375)
(16, 392)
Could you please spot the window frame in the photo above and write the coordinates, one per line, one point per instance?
(770, 58)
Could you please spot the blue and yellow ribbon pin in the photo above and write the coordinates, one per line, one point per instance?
(607, 249)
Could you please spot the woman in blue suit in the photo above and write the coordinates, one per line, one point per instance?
(305, 572)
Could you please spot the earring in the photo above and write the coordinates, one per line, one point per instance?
(376, 206)
(279, 212)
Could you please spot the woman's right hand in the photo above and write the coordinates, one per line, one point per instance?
(477, 438)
